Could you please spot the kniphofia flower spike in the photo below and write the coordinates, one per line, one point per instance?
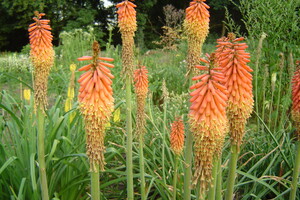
(196, 25)
(207, 119)
(177, 136)
(42, 56)
(96, 103)
(127, 25)
(141, 90)
(233, 59)
(296, 99)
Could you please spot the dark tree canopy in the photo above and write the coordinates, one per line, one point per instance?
(68, 14)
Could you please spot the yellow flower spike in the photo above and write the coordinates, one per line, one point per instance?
(107, 125)
(117, 115)
(26, 94)
(71, 92)
(72, 67)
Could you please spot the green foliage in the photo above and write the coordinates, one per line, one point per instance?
(265, 162)
(266, 155)
(75, 43)
(278, 19)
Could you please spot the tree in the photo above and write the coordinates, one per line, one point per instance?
(64, 15)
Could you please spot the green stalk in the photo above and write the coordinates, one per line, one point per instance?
(258, 53)
(41, 153)
(219, 180)
(95, 185)
(212, 190)
(142, 168)
(232, 174)
(295, 173)
(281, 66)
(164, 141)
(188, 154)
(188, 167)
(175, 177)
(264, 86)
(129, 171)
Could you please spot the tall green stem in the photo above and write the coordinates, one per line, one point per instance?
(164, 140)
(231, 174)
(41, 153)
(142, 168)
(219, 180)
(95, 185)
(281, 67)
(129, 171)
(175, 177)
(258, 53)
(188, 167)
(212, 190)
(295, 173)
(188, 154)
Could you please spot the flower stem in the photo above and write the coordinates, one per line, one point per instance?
(231, 174)
(219, 180)
(129, 171)
(188, 167)
(175, 177)
(41, 153)
(164, 140)
(95, 185)
(295, 173)
(212, 190)
(142, 168)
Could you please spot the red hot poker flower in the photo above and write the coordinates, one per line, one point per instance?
(233, 59)
(42, 56)
(196, 25)
(296, 99)
(141, 90)
(96, 103)
(207, 119)
(126, 16)
(177, 136)
(40, 34)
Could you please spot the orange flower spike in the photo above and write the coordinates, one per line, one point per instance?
(296, 99)
(127, 24)
(96, 104)
(39, 34)
(177, 136)
(233, 58)
(141, 90)
(126, 16)
(196, 25)
(141, 81)
(42, 56)
(208, 121)
(197, 19)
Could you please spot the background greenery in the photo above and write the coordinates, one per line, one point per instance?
(265, 163)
